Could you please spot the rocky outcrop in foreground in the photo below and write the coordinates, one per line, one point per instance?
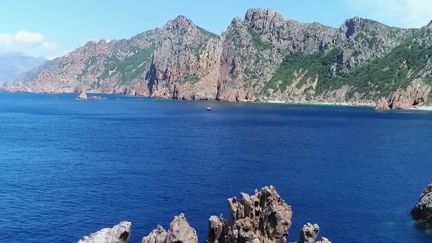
(422, 212)
(117, 234)
(263, 217)
(309, 234)
(179, 231)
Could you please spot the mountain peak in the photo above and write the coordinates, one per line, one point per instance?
(180, 22)
(355, 24)
(262, 19)
(254, 14)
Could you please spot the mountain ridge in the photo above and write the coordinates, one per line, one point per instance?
(261, 57)
(14, 64)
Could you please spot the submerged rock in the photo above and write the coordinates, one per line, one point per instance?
(179, 231)
(422, 212)
(262, 217)
(118, 234)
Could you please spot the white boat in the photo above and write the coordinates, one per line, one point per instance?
(209, 108)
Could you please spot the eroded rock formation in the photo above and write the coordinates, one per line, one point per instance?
(262, 217)
(422, 212)
(309, 234)
(118, 234)
(179, 231)
(416, 94)
(382, 104)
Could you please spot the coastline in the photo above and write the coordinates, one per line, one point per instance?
(264, 101)
(319, 103)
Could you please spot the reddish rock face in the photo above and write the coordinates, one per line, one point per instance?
(183, 61)
(382, 104)
(262, 217)
(416, 94)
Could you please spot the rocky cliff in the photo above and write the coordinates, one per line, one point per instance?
(261, 57)
(263, 217)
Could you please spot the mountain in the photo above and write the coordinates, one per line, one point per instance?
(13, 64)
(261, 57)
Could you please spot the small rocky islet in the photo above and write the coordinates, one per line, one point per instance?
(263, 217)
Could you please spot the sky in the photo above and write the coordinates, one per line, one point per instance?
(52, 28)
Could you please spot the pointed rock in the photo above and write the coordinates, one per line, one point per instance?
(118, 234)
(262, 217)
(159, 235)
(179, 231)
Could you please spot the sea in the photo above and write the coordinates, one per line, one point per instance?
(69, 168)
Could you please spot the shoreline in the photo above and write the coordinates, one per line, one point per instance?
(318, 103)
(311, 103)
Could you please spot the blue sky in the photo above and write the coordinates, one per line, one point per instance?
(54, 27)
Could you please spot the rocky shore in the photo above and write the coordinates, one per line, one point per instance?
(263, 217)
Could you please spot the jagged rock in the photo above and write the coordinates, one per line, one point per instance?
(416, 94)
(118, 234)
(382, 104)
(262, 217)
(422, 212)
(309, 234)
(179, 231)
(159, 235)
(217, 229)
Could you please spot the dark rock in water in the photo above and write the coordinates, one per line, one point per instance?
(179, 231)
(422, 212)
(118, 234)
(262, 217)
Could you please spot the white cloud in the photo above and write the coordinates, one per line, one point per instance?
(29, 43)
(403, 13)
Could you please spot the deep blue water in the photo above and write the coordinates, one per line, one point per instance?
(69, 168)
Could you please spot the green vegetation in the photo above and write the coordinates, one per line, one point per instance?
(130, 68)
(385, 75)
(316, 65)
(391, 72)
